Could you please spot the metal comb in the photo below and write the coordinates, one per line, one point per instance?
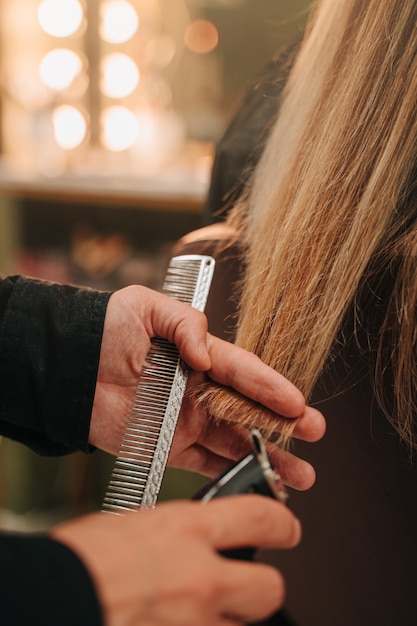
(140, 465)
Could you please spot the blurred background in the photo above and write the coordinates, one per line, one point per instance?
(109, 114)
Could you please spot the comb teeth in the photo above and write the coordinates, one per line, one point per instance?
(189, 280)
(139, 468)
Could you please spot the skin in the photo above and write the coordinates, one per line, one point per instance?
(137, 314)
(165, 569)
(162, 567)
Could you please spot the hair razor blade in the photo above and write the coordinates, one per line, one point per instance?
(140, 465)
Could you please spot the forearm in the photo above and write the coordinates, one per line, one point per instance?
(50, 338)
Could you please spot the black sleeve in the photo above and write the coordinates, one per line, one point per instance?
(50, 338)
(241, 146)
(43, 583)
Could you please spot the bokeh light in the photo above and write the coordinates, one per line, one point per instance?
(69, 125)
(201, 36)
(60, 18)
(119, 75)
(119, 128)
(161, 50)
(59, 68)
(119, 21)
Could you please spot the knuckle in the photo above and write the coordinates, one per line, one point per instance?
(202, 590)
(191, 315)
(209, 589)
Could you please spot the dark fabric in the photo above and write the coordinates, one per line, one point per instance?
(43, 583)
(50, 338)
(243, 141)
(356, 563)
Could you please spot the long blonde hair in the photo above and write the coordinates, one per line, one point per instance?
(332, 202)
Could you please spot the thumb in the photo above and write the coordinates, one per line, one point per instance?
(184, 326)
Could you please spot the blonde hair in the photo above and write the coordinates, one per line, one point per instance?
(331, 205)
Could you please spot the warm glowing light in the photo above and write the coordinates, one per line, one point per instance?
(146, 129)
(120, 75)
(70, 127)
(119, 21)
(119, 128)
(201, 36)
(59, 68)
(161, 50)
(161, 136)
(60, 18)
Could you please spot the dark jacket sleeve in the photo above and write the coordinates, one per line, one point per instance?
(50, 338)
(43, 583)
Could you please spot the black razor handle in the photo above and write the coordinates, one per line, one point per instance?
(252, 474)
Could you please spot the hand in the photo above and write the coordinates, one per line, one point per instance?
(209, 447)
(134, 316)
(162, 566)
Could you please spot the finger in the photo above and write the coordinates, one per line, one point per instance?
(227, 364)
(232, 441)
(182, 325)
(267, 523)
(243, 371)
(225, 439)
(202, 461)
(295, 472)
(221, 444)
(265, 591)
(310, 426)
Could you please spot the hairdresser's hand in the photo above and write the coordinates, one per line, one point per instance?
(210, 446)
(162, 566)
(136, 314)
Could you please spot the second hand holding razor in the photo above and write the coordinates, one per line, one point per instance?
(252, 474)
